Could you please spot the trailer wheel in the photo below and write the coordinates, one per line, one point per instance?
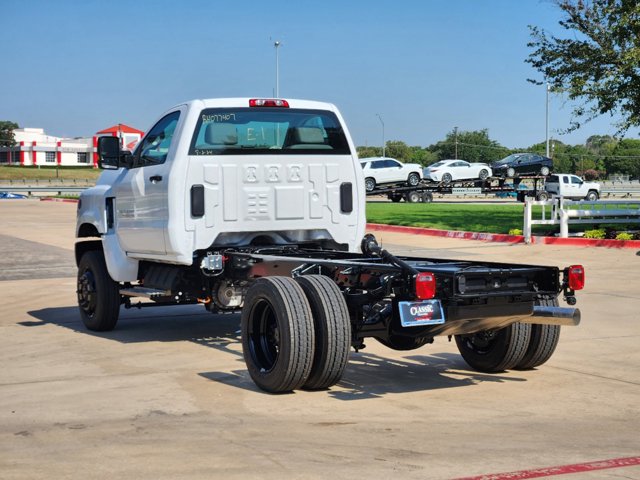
(427, 197)
(413, 180)
(542, 196)
(414, 197)
(543, 342)
(447, 178)
(369, 184)
(332, 331)
(494, 351)
(98, 294)
(395, 198)
(592, 196)
(484, 174)
(277, 334)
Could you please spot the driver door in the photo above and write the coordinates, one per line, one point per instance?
(141, 204)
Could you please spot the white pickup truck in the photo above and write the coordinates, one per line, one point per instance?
(257, 206)
(571, 187)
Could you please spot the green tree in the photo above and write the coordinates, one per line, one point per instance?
(474, 146)
(625, 158)
(596, 63)
(398, 150)
(366, 152)
(7, 139)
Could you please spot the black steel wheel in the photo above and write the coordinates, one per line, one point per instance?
(484, 174)
(277, 334)
(495, 350)
(98, 294)
(332, 329)
(369, 184)
(414, 179)
(447, 178)
(427, 197)
(543, 341)
(395, 198)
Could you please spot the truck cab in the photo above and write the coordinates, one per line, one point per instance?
(228, 172)
(572, 187)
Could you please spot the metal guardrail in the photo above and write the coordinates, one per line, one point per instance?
(564, 212)
(59, 189)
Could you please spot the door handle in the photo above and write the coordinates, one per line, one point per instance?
(155, 178)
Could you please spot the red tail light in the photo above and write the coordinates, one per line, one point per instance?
(576, 277)
(425, 285)
(268, 102)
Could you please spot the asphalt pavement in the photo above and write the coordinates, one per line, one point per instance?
(166, 395)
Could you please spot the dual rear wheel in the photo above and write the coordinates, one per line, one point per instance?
(295, 333)
(518, 346)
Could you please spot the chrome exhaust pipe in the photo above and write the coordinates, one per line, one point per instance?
(554, 316)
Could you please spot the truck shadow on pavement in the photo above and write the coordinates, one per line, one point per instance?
(367, 376)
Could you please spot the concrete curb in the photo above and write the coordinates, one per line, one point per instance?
(498, 237)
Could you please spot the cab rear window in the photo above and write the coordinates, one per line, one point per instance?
(268, 131)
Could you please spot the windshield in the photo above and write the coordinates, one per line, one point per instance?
(268, 131)
(509, 159)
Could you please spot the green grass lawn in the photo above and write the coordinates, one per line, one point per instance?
(16, 172)
(485, 218)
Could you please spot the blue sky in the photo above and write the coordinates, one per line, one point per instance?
(423, 66)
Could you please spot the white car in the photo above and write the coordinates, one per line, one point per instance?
(446, 171)
(381, 170)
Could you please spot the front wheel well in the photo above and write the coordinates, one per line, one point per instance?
(83, 247)
(88, 230)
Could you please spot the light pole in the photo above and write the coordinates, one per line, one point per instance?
(547, 120)
(382, 123)
(277, 46)
(455, 132)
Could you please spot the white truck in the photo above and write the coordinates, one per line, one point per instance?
(570, 187)
(257, 206)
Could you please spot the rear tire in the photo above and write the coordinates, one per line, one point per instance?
(413, 180)
(332, 331)
(277, 334)
(98, 294)
(543, 341)
(447, 178)
(542, 196)
(496, 350)
(369, 184)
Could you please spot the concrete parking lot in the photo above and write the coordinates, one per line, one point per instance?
(166, 394)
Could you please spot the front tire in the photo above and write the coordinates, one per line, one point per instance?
(484, 174)
(592, 196)
(493, 351)
(98, 294)
(277, 334)
(332, 329)
(544, 171)
(413, 180)
(511, 172)
(543, 341)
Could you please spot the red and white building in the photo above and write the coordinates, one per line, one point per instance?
(35, 148)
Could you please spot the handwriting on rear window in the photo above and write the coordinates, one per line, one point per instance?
(219, 117)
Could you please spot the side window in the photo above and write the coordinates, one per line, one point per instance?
(155, 146)
(576, 180)
(565, 179)
(391, 164)
(377, 164)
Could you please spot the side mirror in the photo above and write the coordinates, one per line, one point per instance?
(109, 153)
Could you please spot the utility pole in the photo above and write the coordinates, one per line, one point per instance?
(383, 143)
(455, 133)
(277, 46)
(547, 121)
